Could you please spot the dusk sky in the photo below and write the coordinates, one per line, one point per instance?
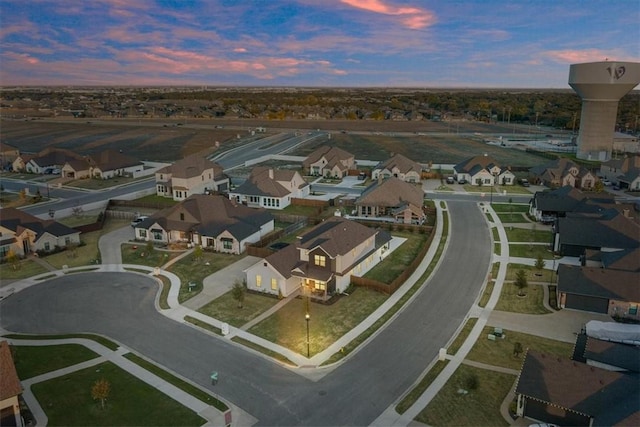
(382, 43)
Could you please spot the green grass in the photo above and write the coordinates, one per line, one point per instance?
(531, 303)
(86, 254)
(486, 294)
(204, 325)
(500, 351)
(496, 234)
(97, 338)
(23, 269)
(398, 261)
(480, 407)
(179, 383)
(137, 253)
(225, 308)
(164, 293)
(530, 251)
(496, 248)
(190, 269)
(509, 208)
(462, 336)
(81, 219)
(287, 327)
(67, 401)
(526, 235)
(162, 202)
(531, 273)
(424, 383)
(32, 361)
(512, 217)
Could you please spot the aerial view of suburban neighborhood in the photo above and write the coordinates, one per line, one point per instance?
(342, 213)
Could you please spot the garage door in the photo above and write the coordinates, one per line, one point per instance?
(587, 303)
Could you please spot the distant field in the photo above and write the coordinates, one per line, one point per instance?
(168, 140)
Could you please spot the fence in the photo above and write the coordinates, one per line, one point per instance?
(95, 226)
(398, 281)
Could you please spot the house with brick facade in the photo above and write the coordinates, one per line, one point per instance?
(399, 167)
(392, 200)
(329, 162)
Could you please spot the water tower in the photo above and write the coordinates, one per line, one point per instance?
(600, 85)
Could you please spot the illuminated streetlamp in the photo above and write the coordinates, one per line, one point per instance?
(307, 317)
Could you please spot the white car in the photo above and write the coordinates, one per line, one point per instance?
(606, 182)
(138, 220)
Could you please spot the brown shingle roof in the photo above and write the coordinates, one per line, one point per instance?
(402, 163)
(192, 166)
(333, 155)
(336, 236)
(111, 159)
(9, 382)
(391, 192)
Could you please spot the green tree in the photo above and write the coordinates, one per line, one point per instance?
(540, 263)
(197, 253)
(100, 391)
(521, 282)
(238, 291)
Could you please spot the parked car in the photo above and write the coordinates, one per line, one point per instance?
(462, 181)
(138, 220)
(524, 182)
(606, 182)
(450, 180)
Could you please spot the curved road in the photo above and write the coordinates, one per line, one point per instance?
(121, 305)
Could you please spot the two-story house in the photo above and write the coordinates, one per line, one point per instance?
(192, 175)
(270, 188)
(392, 200)
(320, 263)
(24, 233)
(211, 221)
(400, 167)
(330, 162)
(624, 172)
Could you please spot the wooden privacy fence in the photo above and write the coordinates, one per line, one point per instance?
(398, 281)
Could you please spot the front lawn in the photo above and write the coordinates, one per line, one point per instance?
(190, 269)
(20, 270)
(471, 397)
(500, 351)
(515, 217)
(528, 235)
(530, 303)
(287, 327)
(225, 308)
(532, 275)
(530, 251)
(140, 253)
(67, 401)
(32, 361)
(509, 208)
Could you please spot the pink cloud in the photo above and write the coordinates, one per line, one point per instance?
(411, 17)
(578, 56)
(240, 50)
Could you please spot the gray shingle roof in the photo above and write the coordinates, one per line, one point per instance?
(598, 282)
(391, 192)
(609, 230)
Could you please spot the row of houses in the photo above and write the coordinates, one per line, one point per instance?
(104, 165)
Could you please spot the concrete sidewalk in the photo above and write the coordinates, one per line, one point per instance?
(213, 416)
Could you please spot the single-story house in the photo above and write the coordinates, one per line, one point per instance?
(110, 163)
(270, 188)
(548, 205)
(393, 200)
(320, 263)
(24, 233)
(599, 290)
(482, 170)
(211, 221)
(561, 172)
(561, 391)
(10, 389)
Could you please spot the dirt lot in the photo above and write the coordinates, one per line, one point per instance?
(168, 140)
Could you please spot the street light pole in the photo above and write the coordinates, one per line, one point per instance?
(307, 317)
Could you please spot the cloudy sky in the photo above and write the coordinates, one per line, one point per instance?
(389, 43)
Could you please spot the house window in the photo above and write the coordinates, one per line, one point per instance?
(3, 251)
(67, 240)
(227, 244)
(181, 216)
(320, 260)
(258, 280)
(143, 233)
(210, 242)
(47, 246)
(633, 309)
(157, 235)
(274, 284)
(320, 286)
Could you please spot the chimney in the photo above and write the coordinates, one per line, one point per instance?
(625, 212)
(270, 173)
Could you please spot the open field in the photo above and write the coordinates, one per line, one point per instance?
(170, 139)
